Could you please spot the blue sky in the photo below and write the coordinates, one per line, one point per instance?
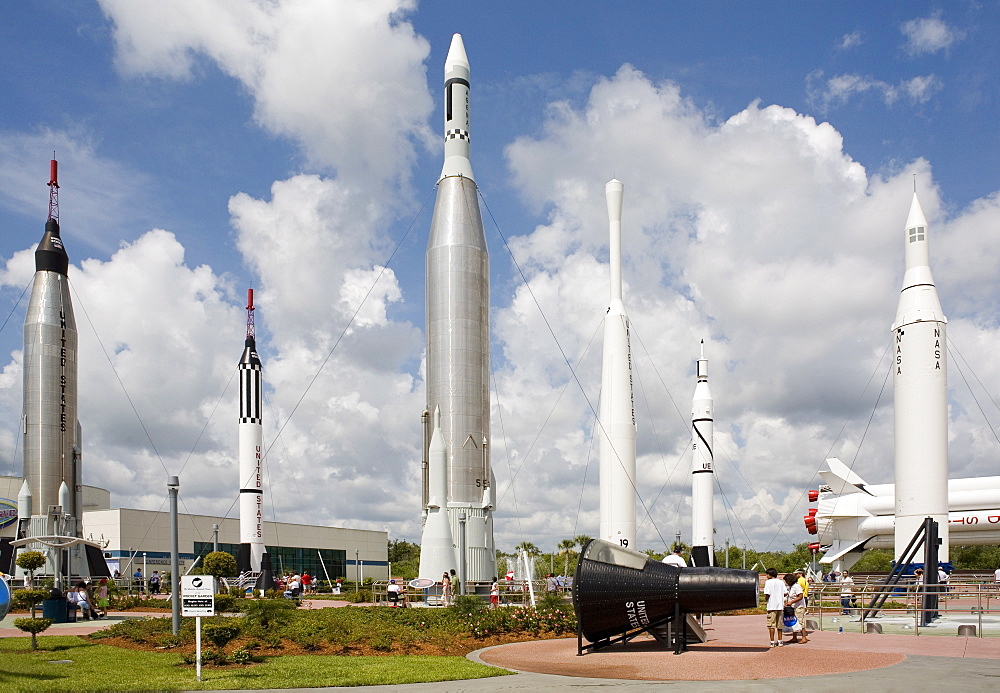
(767, 149)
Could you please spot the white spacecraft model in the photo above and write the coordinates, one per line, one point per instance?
(702, 469)
(616, 425)
(852, 515)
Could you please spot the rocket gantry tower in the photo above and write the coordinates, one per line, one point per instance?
(458, 354)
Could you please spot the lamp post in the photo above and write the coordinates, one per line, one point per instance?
(357, 566)
(173, 483)
(727, 553)
(215, 537)
(461, 551)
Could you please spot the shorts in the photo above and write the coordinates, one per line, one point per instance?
(494, 599)
(774, 619)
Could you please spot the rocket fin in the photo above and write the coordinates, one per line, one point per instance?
(842, 548)
(841, 479)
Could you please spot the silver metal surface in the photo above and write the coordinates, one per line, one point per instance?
(458, 337)
(50, 391)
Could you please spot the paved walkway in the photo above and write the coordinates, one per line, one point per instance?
(735, 658)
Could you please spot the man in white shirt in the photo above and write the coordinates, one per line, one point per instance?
(775, 590)
(676, 559)
(846, 592)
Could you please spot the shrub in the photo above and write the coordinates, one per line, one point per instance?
(26, 599)
(30, 561)
(227, 604)
(304, 633)
(358, 597)
(33, 626)
(468, 603)
(265, 612)
(237, 592)
(220, 564)
(220, 633)
(243, 655)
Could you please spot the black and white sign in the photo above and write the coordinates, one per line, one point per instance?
(197, 595)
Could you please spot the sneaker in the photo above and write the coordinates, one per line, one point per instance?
(780, 644)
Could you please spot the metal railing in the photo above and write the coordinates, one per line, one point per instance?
(963, 599)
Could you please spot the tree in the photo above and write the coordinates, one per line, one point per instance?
(31, 561)
(566, 547)
(581, 540)
(400, 551)
(32, 625)
(528, 548)
(220, 564)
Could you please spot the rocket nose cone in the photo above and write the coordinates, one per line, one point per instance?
(457, 57)
(916, 216)
(50, 255)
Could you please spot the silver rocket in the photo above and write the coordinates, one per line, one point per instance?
(51, 432)
(617, 429)
(251, 438)
(920, 388)
(702, 469)
(458, 338)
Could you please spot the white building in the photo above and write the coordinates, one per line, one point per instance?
(140, 539)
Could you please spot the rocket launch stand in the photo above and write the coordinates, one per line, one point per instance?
(56, 535)
(926, 536)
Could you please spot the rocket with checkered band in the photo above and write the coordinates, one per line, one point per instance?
(251, 451)
(920, 390)
(458, 347)
(702, 468)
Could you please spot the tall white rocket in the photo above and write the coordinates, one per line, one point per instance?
(251, 432)
(458, 341)
(920, 387)
(702, 469)
(616, 427)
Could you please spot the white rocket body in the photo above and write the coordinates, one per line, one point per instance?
(616, 429)
(920, 387)
(24, 501)
(853, 516)
(702, 469)
(458, 338)
(251, 442)
(437, 547)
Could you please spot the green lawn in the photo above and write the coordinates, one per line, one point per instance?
(104, 668)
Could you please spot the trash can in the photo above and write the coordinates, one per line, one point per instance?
(55, 608)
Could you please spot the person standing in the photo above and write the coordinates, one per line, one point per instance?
(446, 590)
(306, 582)
(154, 582)
(139, 582)
(775, 590)
(456, 584)
(846, 592)
(676, 559)
(551, 586)
(495, 593)
(796, 599)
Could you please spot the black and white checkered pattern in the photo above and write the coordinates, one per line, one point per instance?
(457, 134)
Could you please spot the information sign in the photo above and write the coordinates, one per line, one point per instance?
(197, 595)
